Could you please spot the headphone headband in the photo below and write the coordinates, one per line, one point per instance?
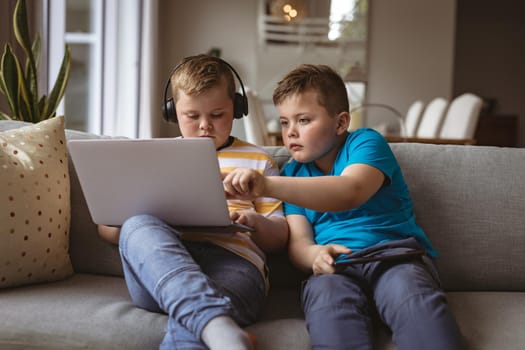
(240, 102)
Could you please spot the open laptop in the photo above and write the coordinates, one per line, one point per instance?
(176, 180)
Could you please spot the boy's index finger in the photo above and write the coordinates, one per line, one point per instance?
(228, 171)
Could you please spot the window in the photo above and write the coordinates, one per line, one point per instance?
(104, 37)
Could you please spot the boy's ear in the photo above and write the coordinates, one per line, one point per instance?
(343, 122)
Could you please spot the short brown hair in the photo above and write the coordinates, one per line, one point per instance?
(197, 74)
(330, 88)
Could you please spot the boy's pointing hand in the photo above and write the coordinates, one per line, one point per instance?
(243, 183)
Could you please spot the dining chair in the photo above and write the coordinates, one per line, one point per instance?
(432, 118)
(387, 124)
(413, 118)
(462, 117)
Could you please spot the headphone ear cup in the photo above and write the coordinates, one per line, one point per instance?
(240, 106)
(168, 111)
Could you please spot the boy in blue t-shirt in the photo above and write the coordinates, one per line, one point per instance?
(345, 197)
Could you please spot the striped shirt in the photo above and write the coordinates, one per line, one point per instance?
(241, 154)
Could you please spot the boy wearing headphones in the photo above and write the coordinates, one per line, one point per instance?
(209, 284)
(345, 196)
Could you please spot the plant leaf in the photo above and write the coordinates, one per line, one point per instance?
(60, 85)
(24, 112)
(24, 98)
(42, 104)
(4, 116)
(36, 50)
(9, 78)
(21, 29)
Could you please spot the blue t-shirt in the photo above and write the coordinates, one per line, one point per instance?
(387, 216)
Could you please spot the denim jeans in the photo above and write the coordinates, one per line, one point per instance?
(192, 282)
(341, 309)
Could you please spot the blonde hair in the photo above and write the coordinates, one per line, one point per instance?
(197, 74)
(330, 88)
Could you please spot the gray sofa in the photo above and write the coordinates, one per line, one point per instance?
(469, 199)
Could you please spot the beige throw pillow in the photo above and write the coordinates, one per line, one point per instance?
(34, 204)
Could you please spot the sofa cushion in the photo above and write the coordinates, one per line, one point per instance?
(279, 154)
(89, 253)
(81, 312)
(490, 320)
(95, 312)
(470, 201)
(35, 204)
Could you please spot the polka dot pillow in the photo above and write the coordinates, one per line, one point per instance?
(34, 204)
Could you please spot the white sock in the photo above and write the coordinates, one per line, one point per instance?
(223, 333)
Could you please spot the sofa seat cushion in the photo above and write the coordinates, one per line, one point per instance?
(95, 312)
(490, 320)
(282, 325)
(81, 312)
(469, 201)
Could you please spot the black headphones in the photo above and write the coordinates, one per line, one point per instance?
(240, 102)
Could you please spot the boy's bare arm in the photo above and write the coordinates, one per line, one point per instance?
(305, 254)
(301, 247)
(110, 234)
(356, 185)
(271, 233)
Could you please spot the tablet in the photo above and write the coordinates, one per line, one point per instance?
(345, 260)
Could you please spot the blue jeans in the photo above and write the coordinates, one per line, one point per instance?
(340, 309)
(190, 281)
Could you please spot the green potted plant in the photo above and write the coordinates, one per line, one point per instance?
(19, 84)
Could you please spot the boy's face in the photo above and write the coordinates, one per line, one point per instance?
(209, 114)
(308, 131)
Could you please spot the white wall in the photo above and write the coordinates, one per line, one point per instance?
(193, 27)
(411, 51)
(411, 44)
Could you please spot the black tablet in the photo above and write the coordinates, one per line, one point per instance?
(346, 260)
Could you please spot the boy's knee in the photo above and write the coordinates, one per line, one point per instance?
(402, 280)
(134, 223)
(138, 221)
(408, 289)
(423, 321)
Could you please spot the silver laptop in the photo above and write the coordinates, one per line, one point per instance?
(176, 180)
